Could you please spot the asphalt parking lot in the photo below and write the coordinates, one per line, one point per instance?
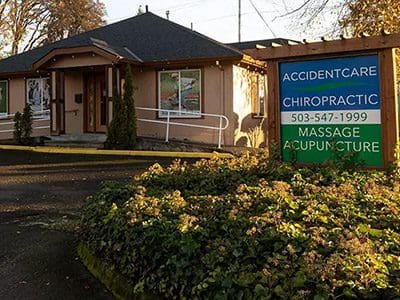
(40, 200)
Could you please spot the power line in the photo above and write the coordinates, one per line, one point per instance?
(193, 3)
(262, 18)
(230, 16)
(185, 5)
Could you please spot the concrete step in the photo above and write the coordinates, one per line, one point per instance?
(76, 140)
(74, 145)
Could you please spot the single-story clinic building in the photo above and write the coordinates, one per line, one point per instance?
(179, 76)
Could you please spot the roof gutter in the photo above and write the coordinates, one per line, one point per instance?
(191, 61)
(21, 74)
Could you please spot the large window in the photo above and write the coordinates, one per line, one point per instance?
(258, 95)
(180, 92)
(38, 93)
(3, 97)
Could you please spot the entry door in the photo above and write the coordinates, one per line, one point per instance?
(96, 103)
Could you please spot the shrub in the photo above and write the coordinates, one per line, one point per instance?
(251, 229)
(23, 126)
(26, 124)
(18, 131)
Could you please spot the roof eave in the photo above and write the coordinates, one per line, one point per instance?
(114, 58)
(191, 61)
(4, 75)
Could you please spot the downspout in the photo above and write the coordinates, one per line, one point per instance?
(222, 80)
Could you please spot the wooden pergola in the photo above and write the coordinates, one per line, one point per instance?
(384, 46)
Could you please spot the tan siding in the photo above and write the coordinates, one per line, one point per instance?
(17, 103)
(78, 60)
(214, 93)
(17, 95)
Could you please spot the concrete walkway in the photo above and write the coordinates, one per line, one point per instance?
(40, 198)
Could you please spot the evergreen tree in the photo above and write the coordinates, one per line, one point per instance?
(122, 129)
(116, 133)
(129, 103)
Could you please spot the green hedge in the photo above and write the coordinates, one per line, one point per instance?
(251, 228)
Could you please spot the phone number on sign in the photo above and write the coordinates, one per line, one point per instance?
(329, 117)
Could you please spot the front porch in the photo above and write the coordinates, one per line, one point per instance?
(81, 100)
(82, 81)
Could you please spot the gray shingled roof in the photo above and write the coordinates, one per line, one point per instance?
(145, 38)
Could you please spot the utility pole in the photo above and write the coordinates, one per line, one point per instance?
(240, 19)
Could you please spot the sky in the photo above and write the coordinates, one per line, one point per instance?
(217, 19)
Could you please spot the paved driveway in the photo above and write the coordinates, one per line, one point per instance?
(40, 199)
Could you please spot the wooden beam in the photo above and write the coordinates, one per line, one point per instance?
(273, 104)
(327, 47)
(389, 107)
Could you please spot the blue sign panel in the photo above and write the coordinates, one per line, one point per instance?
(331, 105)
(349, 83)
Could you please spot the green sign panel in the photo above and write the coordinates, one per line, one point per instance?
(331, 105)
(3, 97)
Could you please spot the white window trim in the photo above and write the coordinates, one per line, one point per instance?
(4, 114)
(179, 112)
(42, 80)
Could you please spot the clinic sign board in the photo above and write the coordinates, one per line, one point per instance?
(331, 105)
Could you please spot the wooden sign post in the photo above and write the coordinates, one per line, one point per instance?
(334, 97)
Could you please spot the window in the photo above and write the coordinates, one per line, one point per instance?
(3, 97)
(180, 92)
(258, 95)
(38, 93)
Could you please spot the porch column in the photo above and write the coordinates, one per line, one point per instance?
(57, 106)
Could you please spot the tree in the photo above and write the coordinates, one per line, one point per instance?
(26, 24)
(71, 17)
(372, 17)
(354, 17)
(316, 16)
(129, 103)
(24, 17)
(3, 23)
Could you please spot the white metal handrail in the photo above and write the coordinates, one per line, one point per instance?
(172, 114)
(37, 116)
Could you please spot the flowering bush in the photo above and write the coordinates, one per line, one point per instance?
(251, 228)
